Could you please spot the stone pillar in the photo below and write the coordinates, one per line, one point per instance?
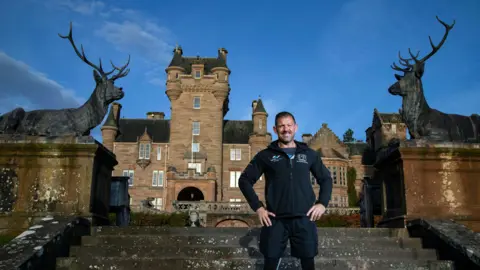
(60, 176)
(430, 180)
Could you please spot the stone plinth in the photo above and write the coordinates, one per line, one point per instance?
(60, 176)
(430, 180)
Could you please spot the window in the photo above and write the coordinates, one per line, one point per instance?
(196, 166)
(234, 202)
(234, 175)
(341, 176)
(159, 153)
(235, 154)
(197, 74)
(394, 128)
(196, 147)
(334, 176)
(260, 124)
(196, 128)
(144, 151)
(196, 102)
(158, 203)
(129, 173)
(157, 179)
(176, 75)
(226, 77)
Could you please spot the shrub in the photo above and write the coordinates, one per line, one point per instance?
(352, 193)
(156, 219)
(350, 221)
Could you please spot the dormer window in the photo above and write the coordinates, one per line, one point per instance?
(144, 151)
(197, 74)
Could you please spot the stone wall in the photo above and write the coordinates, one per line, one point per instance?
(427, 180)
(60, 176)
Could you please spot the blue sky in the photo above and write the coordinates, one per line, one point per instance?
(324, 61)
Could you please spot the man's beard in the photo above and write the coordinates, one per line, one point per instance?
(286, 141)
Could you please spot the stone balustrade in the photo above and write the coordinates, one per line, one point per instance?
(241, 208)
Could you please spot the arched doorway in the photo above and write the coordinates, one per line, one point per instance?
(232, 223)
(190, 194)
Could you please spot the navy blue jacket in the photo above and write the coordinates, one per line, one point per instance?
(288, 189)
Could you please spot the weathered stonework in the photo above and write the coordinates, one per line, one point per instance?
(427, 180)
(61, 176)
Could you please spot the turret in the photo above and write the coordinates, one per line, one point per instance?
(259, 117)
(110, 127)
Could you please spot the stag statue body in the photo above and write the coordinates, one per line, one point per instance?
(422, 121)
(69, 122)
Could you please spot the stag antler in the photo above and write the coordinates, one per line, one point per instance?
(82, 56)
(121, 71)
(406, 62)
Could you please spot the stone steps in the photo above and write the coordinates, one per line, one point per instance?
(237, 248)
(216, 253)
(248, 241)
(126, 263)
(187, 231)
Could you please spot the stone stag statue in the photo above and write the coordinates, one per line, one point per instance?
(69, 122)
(422, 121)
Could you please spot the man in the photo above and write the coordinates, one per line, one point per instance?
(291, 205)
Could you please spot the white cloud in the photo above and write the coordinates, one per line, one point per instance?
(129, 31)
(85, 7)
(147, 41)
(23, 86)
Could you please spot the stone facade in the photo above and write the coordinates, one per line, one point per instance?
(198, 154)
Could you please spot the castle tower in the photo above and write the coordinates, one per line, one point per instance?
(198, 89)
(260, 137)
(110, 127)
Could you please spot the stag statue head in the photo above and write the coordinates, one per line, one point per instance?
(411, 80)
(105, 85)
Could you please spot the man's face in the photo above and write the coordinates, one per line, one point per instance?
(285, 129)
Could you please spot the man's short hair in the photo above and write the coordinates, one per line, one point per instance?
(283, 114)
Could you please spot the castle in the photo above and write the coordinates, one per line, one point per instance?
(199, 155)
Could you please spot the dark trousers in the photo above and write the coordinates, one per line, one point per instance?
(302, 233)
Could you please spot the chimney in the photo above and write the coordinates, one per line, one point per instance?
(222, 52)
(116, 110)
(156, 115)
(306, 137)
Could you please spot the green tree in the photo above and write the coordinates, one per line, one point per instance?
(348, 136)
(352, 193)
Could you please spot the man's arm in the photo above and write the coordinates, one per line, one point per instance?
(324, 180)
(248, 178)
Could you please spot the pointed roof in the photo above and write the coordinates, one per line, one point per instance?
(110, 122)
(260, 107)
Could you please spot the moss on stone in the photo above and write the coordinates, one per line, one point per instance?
(455, 152)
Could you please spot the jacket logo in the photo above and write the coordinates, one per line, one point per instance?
(276, 158)
(302, 158)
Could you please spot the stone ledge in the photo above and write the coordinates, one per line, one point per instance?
(40, 245)
(43, 139)
(432, 144)
(455, 236)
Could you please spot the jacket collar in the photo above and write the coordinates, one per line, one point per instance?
(300, 146)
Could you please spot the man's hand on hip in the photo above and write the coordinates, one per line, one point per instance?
(316, 212)
(263, 216)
